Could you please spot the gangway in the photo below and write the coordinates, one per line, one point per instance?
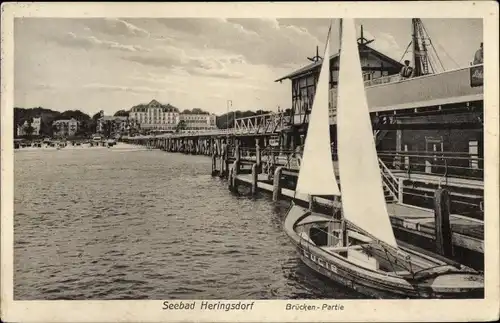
(273, 122)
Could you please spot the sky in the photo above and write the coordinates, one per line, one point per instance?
(110, 64)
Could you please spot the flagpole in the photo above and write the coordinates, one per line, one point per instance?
(340, 34)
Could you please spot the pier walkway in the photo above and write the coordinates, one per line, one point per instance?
(467, 233)
(401, 188)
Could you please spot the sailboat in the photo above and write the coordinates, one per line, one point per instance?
(355, 246)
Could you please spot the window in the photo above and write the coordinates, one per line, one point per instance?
(303, 93)
(473, 154)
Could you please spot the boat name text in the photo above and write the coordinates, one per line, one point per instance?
(320, 261)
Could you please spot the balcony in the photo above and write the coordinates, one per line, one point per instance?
(393, 93)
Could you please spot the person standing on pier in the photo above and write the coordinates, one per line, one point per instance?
(406, 71)
(224, 149)
(215, 150)
(478, 57)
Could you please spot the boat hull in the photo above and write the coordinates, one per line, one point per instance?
(368, 282)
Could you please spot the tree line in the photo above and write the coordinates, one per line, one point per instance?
(88, 125)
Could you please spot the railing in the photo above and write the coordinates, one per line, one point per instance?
(274, 124)
(214, 132)
(445, 164)
(264, 123)
(392, 93)
(404, 177)
(383, 80)
(419, 172)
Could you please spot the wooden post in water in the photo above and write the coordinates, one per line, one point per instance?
(254, 179)
(226, 159)
(257, 156)
(214, 165)
(224, 163)
(237, 156)
(235, 175)
(277, 183)
(230, 181)
(222, 168)
(442, 228)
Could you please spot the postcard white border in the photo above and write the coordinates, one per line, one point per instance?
(273, 310)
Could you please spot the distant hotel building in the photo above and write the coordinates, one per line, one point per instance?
(197, 122)
(65, 128)
(155, 116)
(35, 124)
(113, 125)
(167, 118)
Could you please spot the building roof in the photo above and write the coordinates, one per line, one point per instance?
(312, 66)
(112, 118)
(64, 121)
(153, 104)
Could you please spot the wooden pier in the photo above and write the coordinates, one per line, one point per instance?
(274, 173)
(413, 168)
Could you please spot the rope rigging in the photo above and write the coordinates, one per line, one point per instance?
(425, 61)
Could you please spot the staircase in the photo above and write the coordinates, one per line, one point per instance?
(389, 196)
(380, 134)
(390, 183)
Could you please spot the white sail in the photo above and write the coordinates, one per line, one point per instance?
(363, 201)
(316, 175)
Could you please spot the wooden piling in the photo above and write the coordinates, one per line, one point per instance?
(225, 157)
(237, 154)
(235, 172)
(214, 165)
(277, 183)
(254, 179)
(257, 156)
(230, 181)
(442, 228)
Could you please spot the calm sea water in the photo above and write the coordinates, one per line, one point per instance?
(120, 223)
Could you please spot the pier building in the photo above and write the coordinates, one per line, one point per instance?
(428, 128)
(430, 112)
(375, 65)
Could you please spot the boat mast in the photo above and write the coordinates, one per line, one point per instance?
(339, 213)
(420, 54)
(422, 47)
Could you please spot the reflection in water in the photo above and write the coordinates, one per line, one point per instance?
(124, 224)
